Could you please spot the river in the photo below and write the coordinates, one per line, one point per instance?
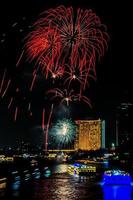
(62, 186)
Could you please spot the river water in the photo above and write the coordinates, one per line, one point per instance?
(62, 186)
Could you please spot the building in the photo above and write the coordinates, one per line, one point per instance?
(90, 135)
(124, 127)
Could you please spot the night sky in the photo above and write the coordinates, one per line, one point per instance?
(113, 84)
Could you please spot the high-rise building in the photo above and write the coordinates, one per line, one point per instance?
(90, 135)
(124, 125)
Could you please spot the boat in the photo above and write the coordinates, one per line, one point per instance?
(81, 169)
(116, 177)
(3, 183)
(26, 175)
(36, 173)
(46, 172)
(15, 180)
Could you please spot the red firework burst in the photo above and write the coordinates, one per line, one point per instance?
(4, 84)
(44, 44)
(75, 75)
(62, 36)
(68, 96)
(12, 94)
(64, 96)
(56, 72)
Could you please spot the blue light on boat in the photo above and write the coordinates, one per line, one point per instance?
(47, 172)
(27, 175)
(116, 177)
(16, 185)
(36, 173)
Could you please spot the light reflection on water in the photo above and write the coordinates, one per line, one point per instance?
(62, 186)
(62, 168)
(117, 192)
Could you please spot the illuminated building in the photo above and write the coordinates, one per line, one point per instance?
(90, 135)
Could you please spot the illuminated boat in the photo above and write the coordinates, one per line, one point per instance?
(46, 172)
(3, 183)
(15, 180)
(81, 169)
(116, 177)
(36, 173)
(26, 175)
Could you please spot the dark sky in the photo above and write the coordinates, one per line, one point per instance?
(113, 84)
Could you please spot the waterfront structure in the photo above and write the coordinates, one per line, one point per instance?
(90, 135)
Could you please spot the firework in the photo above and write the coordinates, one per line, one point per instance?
(16, 102)
(5, 84)
(10, 102)
(62, 36)
(33, 81)
(76, 76)
(83, 98)
(63, 131)
(45, 130)
(63, 96)
(45, 45)
(43, 117)
(67, 96)
(64, 44)
(3, 78)
(57, 72)
(8, 84)
(16, 113)
(19, 59)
